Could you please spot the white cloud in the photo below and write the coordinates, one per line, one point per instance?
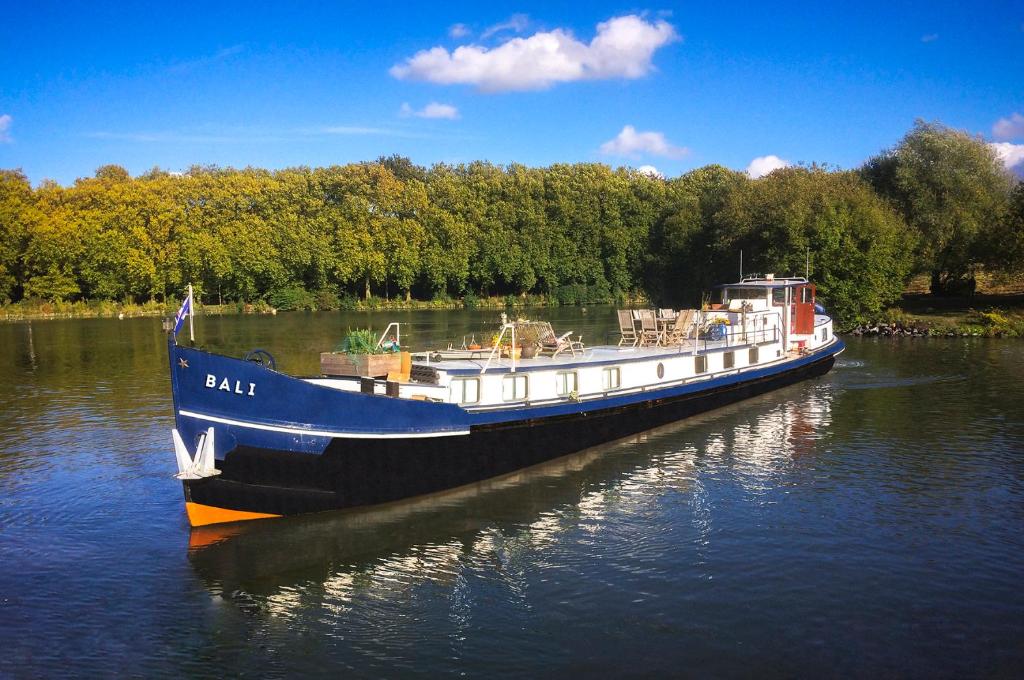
(1011, 155)
(762, 165)
(5, 128)
(931, 37)
(1009, 128)
(622, 48)
(634, 144)
(516, 23)
(431, 110)
(458, 31)
(650, 170)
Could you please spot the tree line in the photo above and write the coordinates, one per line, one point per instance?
(939, 202)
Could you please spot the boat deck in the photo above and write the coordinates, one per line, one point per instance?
(599, 354)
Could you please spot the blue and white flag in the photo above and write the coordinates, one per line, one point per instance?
(186, 310)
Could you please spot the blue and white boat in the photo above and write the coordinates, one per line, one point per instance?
(252, 442)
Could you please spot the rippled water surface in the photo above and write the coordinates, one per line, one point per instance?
(867, 523)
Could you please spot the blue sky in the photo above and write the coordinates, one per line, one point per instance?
(672, 86)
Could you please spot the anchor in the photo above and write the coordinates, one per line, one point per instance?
(202, 465)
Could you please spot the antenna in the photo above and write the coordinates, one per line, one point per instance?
(807, 265)
(741, 265)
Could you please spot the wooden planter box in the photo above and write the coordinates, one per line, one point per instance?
(369, 365)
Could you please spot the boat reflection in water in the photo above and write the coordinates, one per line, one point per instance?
(616, 491)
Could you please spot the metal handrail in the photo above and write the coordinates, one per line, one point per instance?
(384, 335)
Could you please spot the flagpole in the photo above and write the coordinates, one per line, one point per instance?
(191, 313)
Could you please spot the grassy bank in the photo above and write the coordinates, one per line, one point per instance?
(986, 315)
(34, 309)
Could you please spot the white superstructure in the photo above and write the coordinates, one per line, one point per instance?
(756, 323)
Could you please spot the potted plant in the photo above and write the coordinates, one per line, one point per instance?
(528, 339)
(360, 354)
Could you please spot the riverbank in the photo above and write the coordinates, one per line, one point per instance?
(921, 315)
(32, 310)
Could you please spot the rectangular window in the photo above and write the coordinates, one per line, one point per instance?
(466, 390)
(700, 364)
(752, 359)
(728, 360)
(610, 378)
(513, 387)
(778, 296)
(565, 382)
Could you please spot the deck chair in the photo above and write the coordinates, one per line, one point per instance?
(554, 344)
(626, 328)
(681, 328)
(649, 332)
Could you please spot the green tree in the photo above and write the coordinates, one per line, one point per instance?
(17, 209)
(951, 189)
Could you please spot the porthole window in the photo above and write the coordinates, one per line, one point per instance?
(611, 378)
(514, 387)
(661, 371)
(466, 390)
(565, 383)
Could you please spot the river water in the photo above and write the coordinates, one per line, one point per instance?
(868, 522)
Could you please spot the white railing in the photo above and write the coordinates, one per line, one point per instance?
(384, 336)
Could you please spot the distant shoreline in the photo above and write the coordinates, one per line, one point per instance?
(917, 315)
(111, 310)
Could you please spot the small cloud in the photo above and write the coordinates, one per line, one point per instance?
(431, 110)
(1009, 128)
(622, 48)
(650, 170)
(457, 31)
(763, 165)
(930, 37)
(1012, 155)
(516, 23)
(5, 129)
(634, 144)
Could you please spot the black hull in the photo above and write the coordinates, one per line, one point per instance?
(360, 472)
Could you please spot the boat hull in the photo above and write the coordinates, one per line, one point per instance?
(257, 481)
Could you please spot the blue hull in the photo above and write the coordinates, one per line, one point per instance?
(286, 446)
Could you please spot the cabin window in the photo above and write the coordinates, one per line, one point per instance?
(824, 334)
(466, 390)
(700, 364)
(778, 296)
(806, 295)
(728, 359)
(565, 382)
(752, 359)
(514, 387)
(611, 378)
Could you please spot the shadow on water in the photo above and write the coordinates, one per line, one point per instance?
(263, 557)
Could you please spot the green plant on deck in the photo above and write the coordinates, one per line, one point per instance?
(360, 341)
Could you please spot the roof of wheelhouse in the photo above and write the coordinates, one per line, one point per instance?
(763, 282)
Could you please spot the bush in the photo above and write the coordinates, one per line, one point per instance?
(292, 298)
(326, 300)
